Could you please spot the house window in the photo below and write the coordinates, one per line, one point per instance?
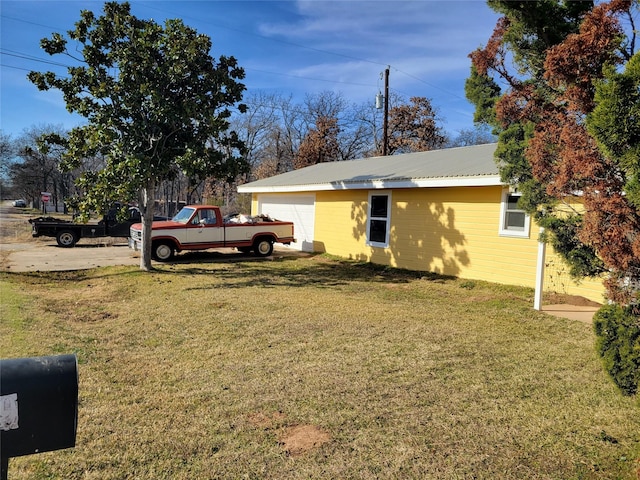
(378, 221)
(514, 222)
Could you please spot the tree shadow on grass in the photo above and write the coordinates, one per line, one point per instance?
(237, 270)
(318, 271)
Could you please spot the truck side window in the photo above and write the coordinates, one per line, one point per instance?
(208, 216)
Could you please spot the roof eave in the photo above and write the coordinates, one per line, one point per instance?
(476, 181)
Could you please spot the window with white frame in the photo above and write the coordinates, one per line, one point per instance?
(379, 219)
(514, 221)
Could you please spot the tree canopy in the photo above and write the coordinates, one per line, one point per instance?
(155, 101)
(414, 127)
(566, 131)
(319, 145)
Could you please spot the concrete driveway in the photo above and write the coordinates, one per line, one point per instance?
(47, 256)
(40, 256)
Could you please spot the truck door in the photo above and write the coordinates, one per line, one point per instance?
(204, 229)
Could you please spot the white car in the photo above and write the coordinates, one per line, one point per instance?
(19, 203)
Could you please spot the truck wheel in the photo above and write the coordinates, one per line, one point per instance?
(263, 247)
(162, 251)
(66, 238)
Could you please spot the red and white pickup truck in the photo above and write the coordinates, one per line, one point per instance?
(199, 227)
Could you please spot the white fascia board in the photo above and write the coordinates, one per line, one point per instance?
(483, 181)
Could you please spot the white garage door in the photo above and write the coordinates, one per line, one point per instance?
(299, 209)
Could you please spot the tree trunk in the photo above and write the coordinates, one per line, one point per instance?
(146, 210)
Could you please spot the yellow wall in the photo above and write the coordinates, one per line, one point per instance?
(558, 280)
(450, 231)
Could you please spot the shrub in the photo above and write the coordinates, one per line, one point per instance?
(618, 343)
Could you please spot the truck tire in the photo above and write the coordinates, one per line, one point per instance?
(66, 238)
(162, 251)
(263, 247)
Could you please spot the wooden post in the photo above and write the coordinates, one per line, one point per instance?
(385, 130)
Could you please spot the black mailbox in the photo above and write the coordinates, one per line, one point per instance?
(38, 405)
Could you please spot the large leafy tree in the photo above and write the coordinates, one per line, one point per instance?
(563, 52)
(155, 101)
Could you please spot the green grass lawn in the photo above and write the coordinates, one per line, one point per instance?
(316, 368)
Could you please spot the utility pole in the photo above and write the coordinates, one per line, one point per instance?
(385, 128)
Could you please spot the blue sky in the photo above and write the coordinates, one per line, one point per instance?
(286, 47)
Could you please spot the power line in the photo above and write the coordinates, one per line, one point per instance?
(25, 56)
(429, 84)
(309, 78)
(264, 37)
(276, 40)
(29, 22)
(28, 57)
(15, 68)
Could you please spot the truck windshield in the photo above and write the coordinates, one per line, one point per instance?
(183, 215)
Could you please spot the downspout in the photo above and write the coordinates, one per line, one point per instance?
(542, 250)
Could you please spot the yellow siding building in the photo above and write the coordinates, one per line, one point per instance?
(444, 211)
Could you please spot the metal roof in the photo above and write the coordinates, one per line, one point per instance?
(461, 166)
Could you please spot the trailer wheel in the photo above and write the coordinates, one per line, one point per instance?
(66, 238)
(263, 247)
(162, 251)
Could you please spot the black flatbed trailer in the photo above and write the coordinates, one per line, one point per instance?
(67, 232)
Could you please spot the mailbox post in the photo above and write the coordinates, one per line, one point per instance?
(38, 406)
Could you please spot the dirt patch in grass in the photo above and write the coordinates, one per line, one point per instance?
(295, 440)
(300, 439)
(560, 298)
